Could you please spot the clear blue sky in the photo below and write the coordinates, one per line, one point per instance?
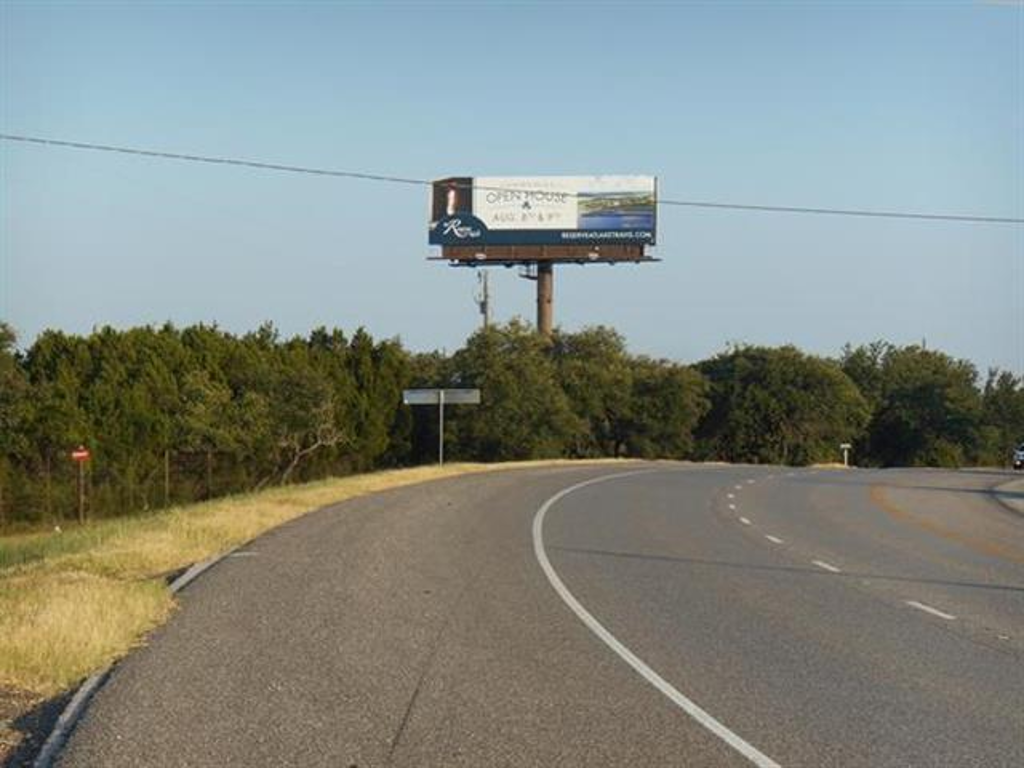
(915, 106)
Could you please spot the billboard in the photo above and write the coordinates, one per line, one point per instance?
(543, 210)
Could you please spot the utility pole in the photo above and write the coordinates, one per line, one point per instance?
(483, 297)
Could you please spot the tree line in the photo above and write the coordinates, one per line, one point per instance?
(173, 415)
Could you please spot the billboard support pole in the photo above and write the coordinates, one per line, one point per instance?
(545, 298)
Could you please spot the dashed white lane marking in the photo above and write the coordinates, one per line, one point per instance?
(773, 539)
(738, 487)
(732, 507)
(688, 706)
(750, 482)
(744, 521)
(827, 566)
(929, 609)
(730, 495)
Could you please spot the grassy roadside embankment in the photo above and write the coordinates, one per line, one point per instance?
(73, 602)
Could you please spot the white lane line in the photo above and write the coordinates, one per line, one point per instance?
(688, 706)
(732, 507)
(773, 539)
(744, 521)
(827, 566)
(730, 495)
(738, 487)
(750, 482)
(929, 609)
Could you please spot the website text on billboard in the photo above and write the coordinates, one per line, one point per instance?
(543, 210)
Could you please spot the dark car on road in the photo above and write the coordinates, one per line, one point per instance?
(1018, 457)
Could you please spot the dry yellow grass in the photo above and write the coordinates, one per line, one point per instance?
(57, 628)
(73, 602)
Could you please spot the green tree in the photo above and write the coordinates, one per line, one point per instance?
(667, 402)
(14, 405)
(778, 405)
(56, 366)
(1002, 417)
(596, 374)
(304, 417)
(927, 412)
(379, 371)
(523, 412)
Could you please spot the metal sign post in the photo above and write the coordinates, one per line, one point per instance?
(439, 397)
(81, 455)
(845, 448)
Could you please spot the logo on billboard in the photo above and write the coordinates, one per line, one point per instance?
(455, 228)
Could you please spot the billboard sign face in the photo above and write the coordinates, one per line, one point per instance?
(543, 210)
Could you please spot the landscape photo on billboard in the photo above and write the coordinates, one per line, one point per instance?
(616, 210)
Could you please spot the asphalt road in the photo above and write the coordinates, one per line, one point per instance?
(678, 615)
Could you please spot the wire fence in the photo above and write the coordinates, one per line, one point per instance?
(54, 492)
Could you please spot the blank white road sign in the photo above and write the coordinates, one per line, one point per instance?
(433, 396)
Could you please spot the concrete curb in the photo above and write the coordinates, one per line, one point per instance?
(69, 718)
(1014, 502)
(80, 701)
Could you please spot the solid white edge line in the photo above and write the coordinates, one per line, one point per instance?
(688, 706)
(929, 609)
(773, 539)
(826, 566)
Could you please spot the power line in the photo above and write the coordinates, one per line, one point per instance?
(848, 212)
(214, 160)
(427, 182)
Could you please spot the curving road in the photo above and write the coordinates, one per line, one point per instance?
(661, 614)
